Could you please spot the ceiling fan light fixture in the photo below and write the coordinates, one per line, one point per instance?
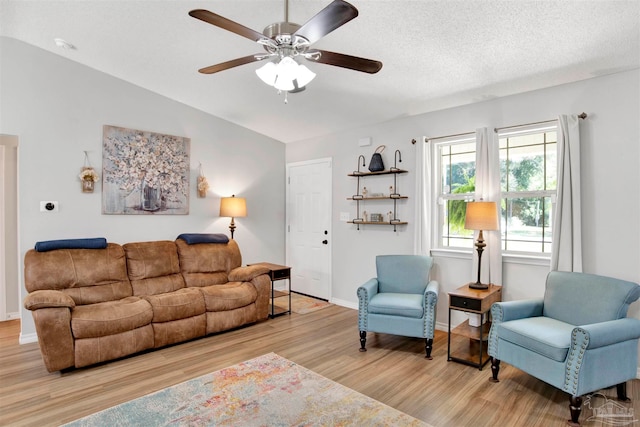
(305, 76)
(287, 68)
(283, 83)
(268, 73)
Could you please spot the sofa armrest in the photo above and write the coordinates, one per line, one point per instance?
(512, 310)
(247, 273)
(48, 299)
(606, 333)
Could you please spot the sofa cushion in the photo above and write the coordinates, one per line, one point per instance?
(176, 305)
(86, 275)
(543, 335)
(109, 318)
(206, 264)
(153, 267)
(406, 305)
(230, 296)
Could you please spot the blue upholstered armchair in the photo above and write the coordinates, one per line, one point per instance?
(577, 338)
(400, 300)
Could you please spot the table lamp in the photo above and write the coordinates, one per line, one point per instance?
(233, 207)
(481, 216)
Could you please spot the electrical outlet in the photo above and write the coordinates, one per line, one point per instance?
(49, 206)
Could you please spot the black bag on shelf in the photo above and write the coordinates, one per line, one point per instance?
(376, 164)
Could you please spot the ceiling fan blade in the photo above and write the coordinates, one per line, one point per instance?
(345, 61)
(226, 24)
(230, 64)
(338, 13)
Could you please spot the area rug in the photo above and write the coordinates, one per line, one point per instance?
(266, 391)
(302, 304)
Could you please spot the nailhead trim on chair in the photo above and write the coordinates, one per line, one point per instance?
(430, 300)
(362, 309)
(579, 344)
(496, 318)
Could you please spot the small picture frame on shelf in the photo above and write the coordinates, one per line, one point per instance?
(376, 217)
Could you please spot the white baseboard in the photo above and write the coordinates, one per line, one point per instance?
(13, 316)
(27, 338)
(344, 303)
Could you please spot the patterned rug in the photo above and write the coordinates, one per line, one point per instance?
(266, 391)
(302, 304)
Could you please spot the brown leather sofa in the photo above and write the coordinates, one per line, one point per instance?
(94, 305)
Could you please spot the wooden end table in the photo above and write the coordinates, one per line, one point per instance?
(478, 302)
(278, 272)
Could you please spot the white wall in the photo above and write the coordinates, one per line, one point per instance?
(610, 141)
(57, 108)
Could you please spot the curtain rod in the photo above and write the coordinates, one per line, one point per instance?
(582, 116)
(449, 136)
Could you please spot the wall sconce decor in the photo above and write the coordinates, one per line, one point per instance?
(233, 207)
(203, 184)
(88, 176)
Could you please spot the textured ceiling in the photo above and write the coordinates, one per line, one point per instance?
(436, 54)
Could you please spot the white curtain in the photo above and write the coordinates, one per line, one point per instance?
(566, 247)
(423, 197)
(488, 189)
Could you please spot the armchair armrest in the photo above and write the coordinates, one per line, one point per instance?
(611, 332)
(433, 287)
(48, 299)
(247, 273)
(512, 310)
(367, 291)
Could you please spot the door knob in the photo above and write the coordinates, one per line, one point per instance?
(324, 242)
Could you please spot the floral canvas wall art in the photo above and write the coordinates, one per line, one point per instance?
(144, 173)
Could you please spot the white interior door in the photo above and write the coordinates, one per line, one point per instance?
(309, 227)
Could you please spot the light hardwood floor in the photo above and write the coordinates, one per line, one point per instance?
(393, 371)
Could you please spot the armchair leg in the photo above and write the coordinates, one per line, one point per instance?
(428, 346)
(363, 340)
(622, 392)
(495, 369)
(575, 406)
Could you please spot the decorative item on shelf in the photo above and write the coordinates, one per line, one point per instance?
(397, 159)
(376, 164)
(88, 176)
(364, 192)
(377, 195)
(203, 184)
(377, 217)
(233, 207)
(481, 216)
(390, 216)
(365, 215)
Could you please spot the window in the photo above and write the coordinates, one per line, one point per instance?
(528, 160)
(455, 164)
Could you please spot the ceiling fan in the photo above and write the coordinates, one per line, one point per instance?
(285, 41)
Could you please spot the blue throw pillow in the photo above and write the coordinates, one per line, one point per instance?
(50, 245)
(193, 238)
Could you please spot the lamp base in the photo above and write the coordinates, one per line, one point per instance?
(478, 285)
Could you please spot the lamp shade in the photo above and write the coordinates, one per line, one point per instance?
(233, 207)
(481, 216)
